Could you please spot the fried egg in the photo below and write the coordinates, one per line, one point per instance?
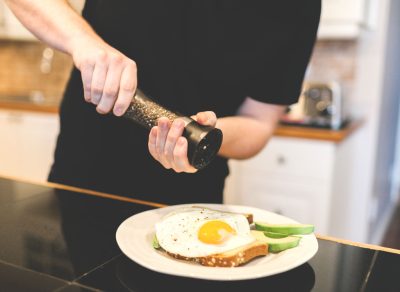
(199, 232)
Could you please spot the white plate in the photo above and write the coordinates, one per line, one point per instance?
(134, 237)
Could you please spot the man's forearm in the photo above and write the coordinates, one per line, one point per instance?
(244, 137)
(53, 21)
(247, 133)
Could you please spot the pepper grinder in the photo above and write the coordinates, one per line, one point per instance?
(204, 142)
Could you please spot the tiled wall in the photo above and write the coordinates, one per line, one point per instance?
(335, 61)
(22, 71)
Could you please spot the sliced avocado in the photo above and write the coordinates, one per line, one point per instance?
(155, 243)
(276, 244)
(274, 234)
(288, 229)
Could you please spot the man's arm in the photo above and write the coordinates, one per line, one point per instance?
(109, 77)
(247, 133)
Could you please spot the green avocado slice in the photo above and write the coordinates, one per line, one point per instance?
(155, 243)
(276, 244)
(288, 229)
(274, 234)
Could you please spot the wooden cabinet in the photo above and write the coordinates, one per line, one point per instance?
(27, 143)
(345, 19)
(291, 176)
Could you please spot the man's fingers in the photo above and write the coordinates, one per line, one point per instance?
(98, 79)
(174, 133)
(87, 73)
(127, 88)
(111, 86)
(207, 118)
(167, 146)
(162, 132)
(181, 162)
(152, 145)
(109, 77)
(152, 142)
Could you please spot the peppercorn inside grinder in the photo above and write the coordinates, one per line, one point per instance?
(204, 142)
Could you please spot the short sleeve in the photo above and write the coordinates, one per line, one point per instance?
(280, 78)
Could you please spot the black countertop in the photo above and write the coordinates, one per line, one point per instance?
(58, 240)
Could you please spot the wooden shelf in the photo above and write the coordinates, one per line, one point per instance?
(28, 106)
(318, 134)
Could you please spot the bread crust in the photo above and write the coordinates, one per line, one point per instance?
(232, 258)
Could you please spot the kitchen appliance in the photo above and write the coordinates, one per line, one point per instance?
(320, 105)
(203, 141)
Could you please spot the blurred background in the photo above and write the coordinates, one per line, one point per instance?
(334, 161)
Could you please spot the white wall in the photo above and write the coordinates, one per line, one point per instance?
(393, 90)
(389, 113)
(373, 148)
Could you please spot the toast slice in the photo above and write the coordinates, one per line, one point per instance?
(231, 258)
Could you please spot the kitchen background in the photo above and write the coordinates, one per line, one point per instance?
(344, 181)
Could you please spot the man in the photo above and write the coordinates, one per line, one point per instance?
(239, 60)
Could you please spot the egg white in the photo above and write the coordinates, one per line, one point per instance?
(177, 232)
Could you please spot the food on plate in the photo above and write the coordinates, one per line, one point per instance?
(207, 236)
(274, 234)
(276, 244)
(221, 239)
(248, 216)
(287, 229)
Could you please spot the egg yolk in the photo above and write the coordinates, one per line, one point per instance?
(215, 232)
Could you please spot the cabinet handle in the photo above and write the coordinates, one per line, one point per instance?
(281, 160)
(15, 118)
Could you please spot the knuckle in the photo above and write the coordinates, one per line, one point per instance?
(171, 138)
(166, 153)
(101, 56)
(85, 64)
(86, 86)
(117, 59)
(133, 64)
(178, 153)
(177, 122)
(159, 150)
(109, 93)
(128, 87)
(97, 90)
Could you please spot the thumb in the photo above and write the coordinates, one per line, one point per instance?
(207, 118)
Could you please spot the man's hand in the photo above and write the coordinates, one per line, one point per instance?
(108, 76)
(167, 145)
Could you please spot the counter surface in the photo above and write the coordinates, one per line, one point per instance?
(59, 238)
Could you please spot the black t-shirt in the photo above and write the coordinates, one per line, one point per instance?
(192, 55)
